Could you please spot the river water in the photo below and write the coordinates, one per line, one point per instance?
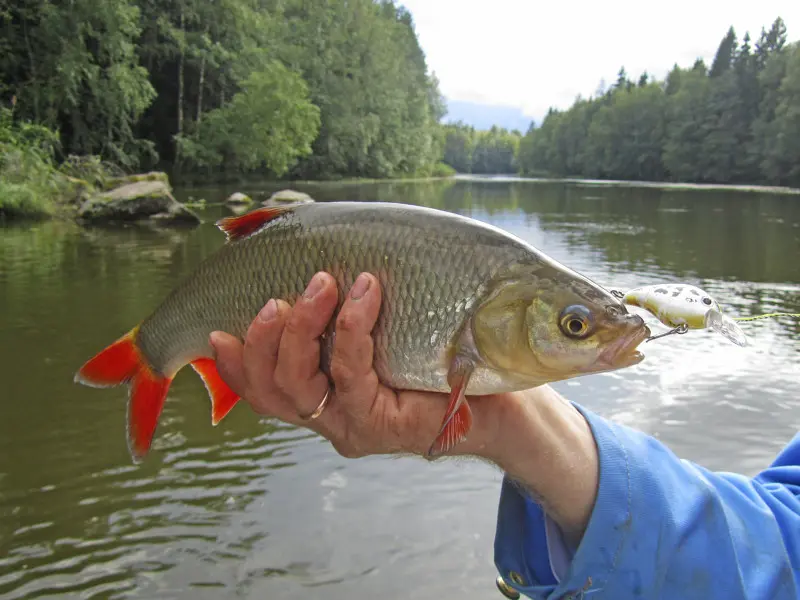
(255, 509)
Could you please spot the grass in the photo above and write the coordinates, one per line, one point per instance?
(32, 184)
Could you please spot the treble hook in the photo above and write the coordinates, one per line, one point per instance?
(680, 330)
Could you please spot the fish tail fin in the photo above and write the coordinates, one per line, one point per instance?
(223, 398)
(123, 362)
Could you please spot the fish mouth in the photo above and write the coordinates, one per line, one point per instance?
(622, 352)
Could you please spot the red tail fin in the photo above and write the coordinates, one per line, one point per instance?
(223, 398)
(122, 362)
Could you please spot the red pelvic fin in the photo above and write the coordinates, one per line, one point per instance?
(223, 398)
(122, 362)
(458, 419)
(243, 225)
(454, 432)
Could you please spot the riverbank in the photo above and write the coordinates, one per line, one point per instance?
(658, 185)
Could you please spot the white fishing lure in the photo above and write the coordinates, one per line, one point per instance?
(685, 307)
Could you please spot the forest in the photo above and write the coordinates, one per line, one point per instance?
(318, 89)
(735, 122)
(296, 88)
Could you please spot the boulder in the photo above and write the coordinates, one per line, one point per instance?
(287, 197)
(76, 191)
(141, 201)
(115, 182)
(239, 199)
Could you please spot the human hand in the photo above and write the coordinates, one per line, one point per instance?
(277, 372)
(536, 436)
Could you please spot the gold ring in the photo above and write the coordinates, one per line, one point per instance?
(321, 406)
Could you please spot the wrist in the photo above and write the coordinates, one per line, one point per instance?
(543, 442)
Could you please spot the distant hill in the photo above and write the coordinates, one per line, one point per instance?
(483, 116)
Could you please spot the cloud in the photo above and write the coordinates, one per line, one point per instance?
(533, 55)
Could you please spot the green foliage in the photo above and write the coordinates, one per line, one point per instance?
(32, 184)
(367, 74)
(738, 122)
(28, 180)
(443, 170)
(280, 87)
(73, 67)
(488, 152)
(496, 151)
(459, 146)
(331, 89)
(267, 125)
(783, 162)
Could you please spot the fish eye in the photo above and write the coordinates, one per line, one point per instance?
(576, 322)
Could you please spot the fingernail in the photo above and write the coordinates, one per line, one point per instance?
(314, 286)
(360, 287)
(269, 311)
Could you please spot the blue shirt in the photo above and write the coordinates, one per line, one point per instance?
(661, 528)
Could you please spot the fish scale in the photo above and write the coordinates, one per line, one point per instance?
(467, 308)
(415, 264)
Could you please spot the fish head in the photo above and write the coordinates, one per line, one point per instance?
(542, 329)
(573, 334)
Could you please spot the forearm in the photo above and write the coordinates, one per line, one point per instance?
(545, 445)
(659, 527)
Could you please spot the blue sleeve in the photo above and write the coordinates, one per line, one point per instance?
(662, 528)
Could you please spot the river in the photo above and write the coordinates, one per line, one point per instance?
(255, 509)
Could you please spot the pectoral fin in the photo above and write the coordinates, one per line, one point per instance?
(458, 418)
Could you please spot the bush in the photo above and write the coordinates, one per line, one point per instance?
(31, 183)
(443, 170)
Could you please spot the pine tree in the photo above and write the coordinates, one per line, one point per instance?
(726, 53)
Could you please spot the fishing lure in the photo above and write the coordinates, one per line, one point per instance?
(684, 307)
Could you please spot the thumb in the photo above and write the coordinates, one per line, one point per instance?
(229, 356)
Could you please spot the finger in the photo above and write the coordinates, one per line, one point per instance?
(297, 372)
(351, 363)
(261, 355)
(229, 351)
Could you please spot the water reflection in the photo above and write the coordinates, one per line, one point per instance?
(254, 509)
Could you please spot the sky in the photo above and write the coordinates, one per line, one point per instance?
(532, 55)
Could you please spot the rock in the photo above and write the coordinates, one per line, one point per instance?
(239, 209)
(76, 191)
(239, 199)
(287, 197)
(115, 182)
(141, 201)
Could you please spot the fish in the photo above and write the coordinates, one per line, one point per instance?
(467, 309)
(681, 305)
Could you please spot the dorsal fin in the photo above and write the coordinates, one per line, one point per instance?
(243, 225)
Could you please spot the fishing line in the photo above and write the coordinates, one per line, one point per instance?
(766, 316)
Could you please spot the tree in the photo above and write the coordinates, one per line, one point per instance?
(734, 123)
(782, 164)
(74, 68)
(267, 125)
(459, 147)
(726, 53)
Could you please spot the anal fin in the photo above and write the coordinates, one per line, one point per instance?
(223, 398)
